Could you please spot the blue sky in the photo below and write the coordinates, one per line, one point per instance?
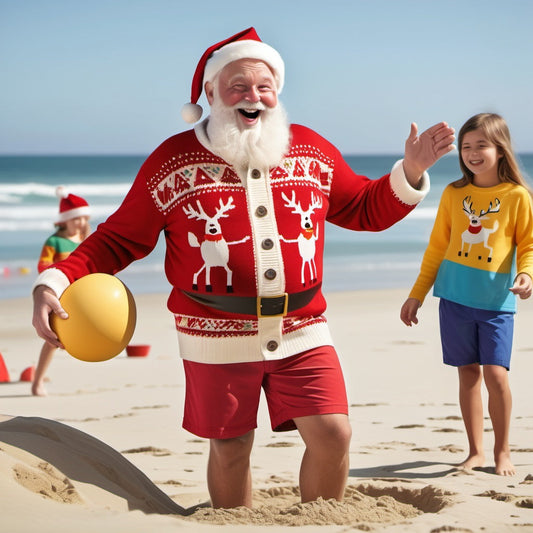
(111, 76)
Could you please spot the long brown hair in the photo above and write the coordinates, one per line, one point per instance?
(495, 129)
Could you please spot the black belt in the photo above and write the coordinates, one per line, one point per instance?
(259, 306)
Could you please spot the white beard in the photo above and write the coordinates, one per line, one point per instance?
(262, 145)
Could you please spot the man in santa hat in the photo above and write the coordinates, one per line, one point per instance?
(242, 200)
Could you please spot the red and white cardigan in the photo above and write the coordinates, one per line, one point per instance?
(258, 232)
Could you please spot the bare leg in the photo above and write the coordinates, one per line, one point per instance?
(500, 404)
(45, 358)
(325, 463)
(228, 471)
(470, 379)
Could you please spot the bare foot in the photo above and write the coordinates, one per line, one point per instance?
(37, 389)
(473, 461)
(504, 467)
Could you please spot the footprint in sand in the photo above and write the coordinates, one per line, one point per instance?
(452, 448)
(45, 480)
(519, 501)
(525, 502)
(280, 444)
(70, 420)
(151, 450)
(173, 482)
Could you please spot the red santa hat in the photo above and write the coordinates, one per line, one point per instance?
(70, 205)
(243, 45)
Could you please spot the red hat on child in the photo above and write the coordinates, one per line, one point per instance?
(243, 45)
(70, 205)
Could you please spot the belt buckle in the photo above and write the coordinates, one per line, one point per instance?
(285, 305)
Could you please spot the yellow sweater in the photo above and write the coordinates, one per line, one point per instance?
(480, 239)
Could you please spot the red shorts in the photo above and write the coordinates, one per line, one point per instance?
(221, 401)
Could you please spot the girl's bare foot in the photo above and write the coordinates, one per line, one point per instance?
(504, 466)
(37, 389)
(476, 460)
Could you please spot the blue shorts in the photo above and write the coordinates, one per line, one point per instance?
(470, 335)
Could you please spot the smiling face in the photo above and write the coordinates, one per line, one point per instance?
(481, 157)
(247, 86)
(247, 124)
(77, 224)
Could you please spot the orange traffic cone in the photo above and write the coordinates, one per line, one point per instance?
(4, 374)
(28, 374)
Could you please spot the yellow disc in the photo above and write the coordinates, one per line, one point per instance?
(102, 317)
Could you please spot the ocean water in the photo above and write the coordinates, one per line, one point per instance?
(352, 261)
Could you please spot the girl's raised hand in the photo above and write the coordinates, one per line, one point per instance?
(422, 151)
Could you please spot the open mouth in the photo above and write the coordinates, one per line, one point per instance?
(251, 115)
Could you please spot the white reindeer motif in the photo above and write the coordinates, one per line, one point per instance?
(476, 233)
(214, 248)
(308, 233)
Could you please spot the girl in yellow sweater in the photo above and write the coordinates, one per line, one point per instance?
(479, 257)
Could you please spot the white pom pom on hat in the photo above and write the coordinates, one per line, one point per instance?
(70, 205)
(191, 113)
(245, 44)
(61, 192)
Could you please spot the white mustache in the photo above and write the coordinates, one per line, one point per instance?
(247, 106)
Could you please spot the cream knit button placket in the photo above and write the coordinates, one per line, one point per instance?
(269, 262)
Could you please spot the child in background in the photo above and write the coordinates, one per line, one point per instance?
(72, 228)
(482, 236)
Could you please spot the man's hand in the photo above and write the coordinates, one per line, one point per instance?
(423, 151)
(46, 302)
(409, 311)
(523, 286)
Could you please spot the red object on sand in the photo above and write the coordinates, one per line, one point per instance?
(137, 350)
(28, 374)
(4, 374)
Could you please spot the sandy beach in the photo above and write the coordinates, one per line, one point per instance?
(105, 451)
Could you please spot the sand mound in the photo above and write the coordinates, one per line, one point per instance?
(57, 462)
(60, 463)
(364, 503)
(354, 509)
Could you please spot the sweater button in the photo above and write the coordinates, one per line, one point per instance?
(270, 273)
(261, 211)
(267, 244)
(256, 174)
(272, 346)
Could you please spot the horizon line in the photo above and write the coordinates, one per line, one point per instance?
(137, 154)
